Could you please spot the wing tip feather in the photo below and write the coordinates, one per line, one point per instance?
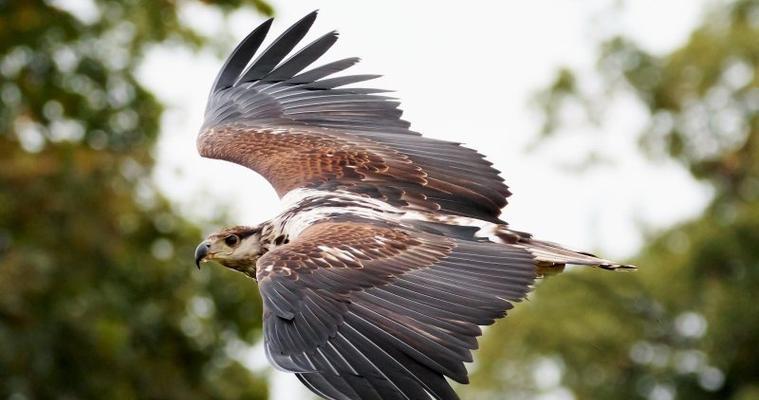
(230, 70)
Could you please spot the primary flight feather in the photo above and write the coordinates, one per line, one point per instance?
(389, 254)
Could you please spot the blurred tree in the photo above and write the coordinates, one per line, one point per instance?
(687, 324)
(98, 295)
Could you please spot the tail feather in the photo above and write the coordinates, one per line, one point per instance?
(550, 254)
(552, 257)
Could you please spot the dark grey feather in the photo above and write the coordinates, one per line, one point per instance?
(278, 50)
(323, 71)
(332, 83)
(240, 57)
(303, 58)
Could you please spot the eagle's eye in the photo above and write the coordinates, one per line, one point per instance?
(232, 240)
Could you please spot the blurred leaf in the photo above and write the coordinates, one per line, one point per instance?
(703, 97)
(98, 294)
(686, 324)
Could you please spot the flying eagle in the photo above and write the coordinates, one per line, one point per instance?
(389, 255)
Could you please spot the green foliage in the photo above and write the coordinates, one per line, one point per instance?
(686, 325)
(98, 294)
(686, 321)
(703, 97)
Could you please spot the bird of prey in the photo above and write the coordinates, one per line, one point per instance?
(389, 255)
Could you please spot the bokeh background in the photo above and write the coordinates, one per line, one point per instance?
(630, 128)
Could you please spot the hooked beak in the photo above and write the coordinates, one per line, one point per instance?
(201, 252)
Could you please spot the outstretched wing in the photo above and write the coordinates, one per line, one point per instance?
(304, 129)
(362, 310)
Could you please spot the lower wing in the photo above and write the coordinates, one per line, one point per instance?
(365, 310)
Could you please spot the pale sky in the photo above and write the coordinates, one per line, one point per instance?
(465, 72)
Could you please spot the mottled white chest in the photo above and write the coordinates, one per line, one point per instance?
(297, 215)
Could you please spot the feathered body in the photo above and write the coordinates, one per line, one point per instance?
(389, 254)
(306, 207)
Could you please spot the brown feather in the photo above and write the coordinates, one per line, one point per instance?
(361, 242)
(291, 157)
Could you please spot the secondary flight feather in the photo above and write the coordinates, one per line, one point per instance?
(390, 253)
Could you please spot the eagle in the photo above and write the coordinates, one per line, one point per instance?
(389, 255)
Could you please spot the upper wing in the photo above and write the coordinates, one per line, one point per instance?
(302, 129)
(361, 310)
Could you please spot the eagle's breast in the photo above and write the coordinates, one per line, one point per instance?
(306, 207)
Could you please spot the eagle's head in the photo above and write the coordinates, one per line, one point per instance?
(238, 248)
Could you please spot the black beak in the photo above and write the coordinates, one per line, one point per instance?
(201, 252)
